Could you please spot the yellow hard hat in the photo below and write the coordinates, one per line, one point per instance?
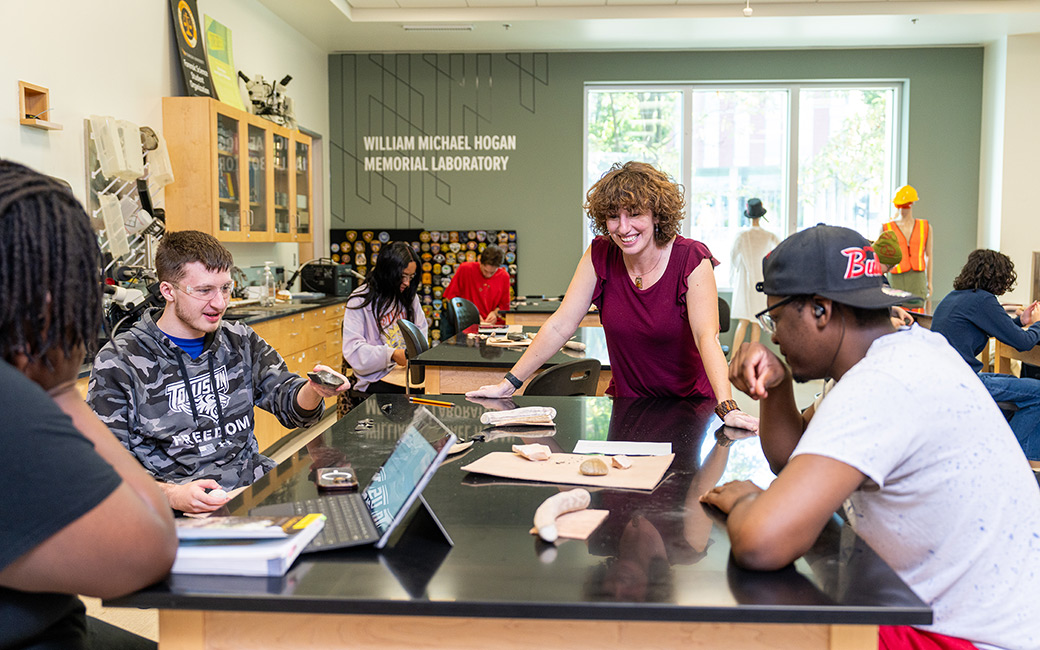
(905, 195)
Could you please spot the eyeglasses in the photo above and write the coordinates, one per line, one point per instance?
(408, 277)
(768, 324)
(205, 292)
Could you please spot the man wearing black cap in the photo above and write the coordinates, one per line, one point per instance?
(908, 441)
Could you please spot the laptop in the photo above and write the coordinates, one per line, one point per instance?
(371, 516)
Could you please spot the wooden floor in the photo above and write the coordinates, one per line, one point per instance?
(145, 622)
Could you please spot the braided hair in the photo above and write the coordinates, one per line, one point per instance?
(50, 267)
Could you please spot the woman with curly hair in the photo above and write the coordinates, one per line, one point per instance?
(970, 314)
(656, 294)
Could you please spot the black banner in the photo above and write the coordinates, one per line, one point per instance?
(189, 35)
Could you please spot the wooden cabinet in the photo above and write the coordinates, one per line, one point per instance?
(303, 339)
(238, 176)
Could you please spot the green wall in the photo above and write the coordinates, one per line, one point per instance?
(538, 97)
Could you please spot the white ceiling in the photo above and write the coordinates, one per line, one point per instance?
(561, 25)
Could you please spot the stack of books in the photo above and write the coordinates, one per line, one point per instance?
(243, 546)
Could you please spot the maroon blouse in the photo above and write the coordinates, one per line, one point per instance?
(652, 352)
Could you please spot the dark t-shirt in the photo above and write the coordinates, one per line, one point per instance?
(50, 475)
(652, 351)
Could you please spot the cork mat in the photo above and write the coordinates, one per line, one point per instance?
(646, 471)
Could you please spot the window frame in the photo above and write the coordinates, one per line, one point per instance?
(900, 116)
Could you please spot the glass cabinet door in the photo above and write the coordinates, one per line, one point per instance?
(229, 196)
(303, 188)
(281, 184)
(257, 179)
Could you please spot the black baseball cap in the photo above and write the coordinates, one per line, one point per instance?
(829, 261)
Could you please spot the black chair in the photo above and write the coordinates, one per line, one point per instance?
(464, 313)
(567, 379)
(724, 320)
(414, 345)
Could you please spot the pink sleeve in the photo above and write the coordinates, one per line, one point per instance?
(600, 249)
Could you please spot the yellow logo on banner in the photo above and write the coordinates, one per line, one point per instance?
(189, 28)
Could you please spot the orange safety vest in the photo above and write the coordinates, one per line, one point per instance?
(913, 252)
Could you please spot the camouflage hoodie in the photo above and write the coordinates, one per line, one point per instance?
(137, 387)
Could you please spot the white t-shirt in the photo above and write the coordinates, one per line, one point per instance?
(953, 507)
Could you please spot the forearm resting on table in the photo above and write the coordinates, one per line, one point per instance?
(781, 425)
(114, 453)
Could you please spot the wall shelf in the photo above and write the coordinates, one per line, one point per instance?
(34, 101)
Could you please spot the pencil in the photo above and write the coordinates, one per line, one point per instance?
(430, 402)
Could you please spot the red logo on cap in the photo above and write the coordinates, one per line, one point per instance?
(859, 264)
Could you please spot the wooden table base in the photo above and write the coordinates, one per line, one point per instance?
(215, 630)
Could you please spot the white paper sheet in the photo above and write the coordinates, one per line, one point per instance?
(626, 447)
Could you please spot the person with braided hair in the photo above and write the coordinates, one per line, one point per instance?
(80, 516)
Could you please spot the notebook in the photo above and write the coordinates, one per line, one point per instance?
(371, 516)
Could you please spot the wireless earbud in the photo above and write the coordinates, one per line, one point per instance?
(818, 310)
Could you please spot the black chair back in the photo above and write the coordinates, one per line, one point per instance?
(567, 379)
(464, 312)
(723, 315)
(414, 345)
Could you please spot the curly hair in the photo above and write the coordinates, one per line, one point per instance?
(50, 268)
(636, 187)
(988, 270)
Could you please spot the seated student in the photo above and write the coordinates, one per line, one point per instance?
(179, 390)
(908, 440)
(373, 345)
(970, 314)
(79, 514)
(484, 283)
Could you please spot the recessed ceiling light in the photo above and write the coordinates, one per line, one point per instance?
(437, 27)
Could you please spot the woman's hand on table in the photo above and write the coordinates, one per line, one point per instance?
(754, 370)
(725, 497)
(400, 357)
(740, 420)
(494, 391)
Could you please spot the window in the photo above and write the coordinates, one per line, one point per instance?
(814, 153)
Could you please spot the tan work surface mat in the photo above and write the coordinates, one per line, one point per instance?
(646, 471)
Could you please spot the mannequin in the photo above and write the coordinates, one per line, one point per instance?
(914, 272)
(749, 247)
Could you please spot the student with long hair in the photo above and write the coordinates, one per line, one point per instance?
(372, 341)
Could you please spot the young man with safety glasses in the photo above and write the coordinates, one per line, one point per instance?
(178, 390)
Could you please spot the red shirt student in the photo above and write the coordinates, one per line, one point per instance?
(484, 283)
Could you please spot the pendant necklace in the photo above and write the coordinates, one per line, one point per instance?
(639, 278)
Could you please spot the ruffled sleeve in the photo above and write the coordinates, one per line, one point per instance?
(601, 248)
(694, 253)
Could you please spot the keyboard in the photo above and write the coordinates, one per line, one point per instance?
(347, 523)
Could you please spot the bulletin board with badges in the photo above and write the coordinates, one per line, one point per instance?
(440, 252)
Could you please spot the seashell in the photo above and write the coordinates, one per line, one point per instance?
(594, 466)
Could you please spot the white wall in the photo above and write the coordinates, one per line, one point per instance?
(117, 57)
(994, 84)
(1019, 231)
